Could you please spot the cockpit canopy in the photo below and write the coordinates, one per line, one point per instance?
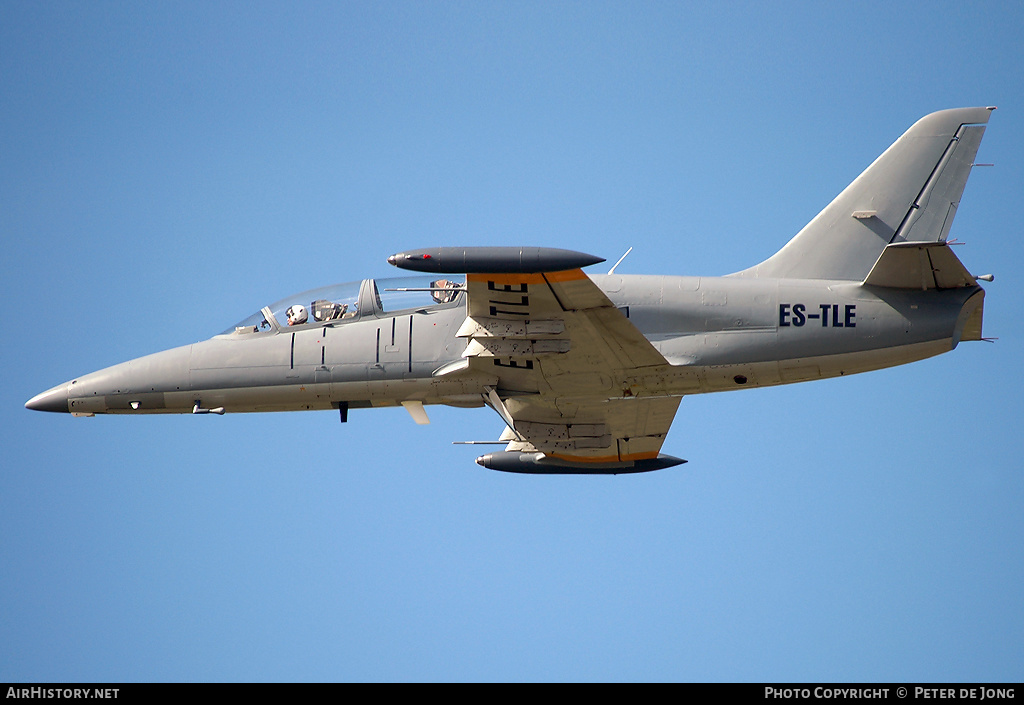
(345, 302)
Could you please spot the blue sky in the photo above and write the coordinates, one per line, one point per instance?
(167, 170)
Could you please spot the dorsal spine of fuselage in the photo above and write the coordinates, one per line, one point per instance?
(910, 193)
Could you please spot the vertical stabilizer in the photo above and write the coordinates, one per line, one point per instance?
(909, 194)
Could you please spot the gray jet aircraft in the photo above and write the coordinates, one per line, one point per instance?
(587, 371)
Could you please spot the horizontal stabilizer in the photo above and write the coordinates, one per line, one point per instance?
(919, 265)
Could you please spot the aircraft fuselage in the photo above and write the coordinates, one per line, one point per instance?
(717, 334)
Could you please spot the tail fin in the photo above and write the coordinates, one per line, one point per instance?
(909, 194)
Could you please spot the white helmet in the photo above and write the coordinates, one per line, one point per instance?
(296, 315)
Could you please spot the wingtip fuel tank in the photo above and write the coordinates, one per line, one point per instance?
(542, 464)
(492, 260)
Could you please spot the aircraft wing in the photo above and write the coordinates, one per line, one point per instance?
(570, 367)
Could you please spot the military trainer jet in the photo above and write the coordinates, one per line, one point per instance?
(587, 371)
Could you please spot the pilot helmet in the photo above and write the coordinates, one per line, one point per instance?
(297, 314)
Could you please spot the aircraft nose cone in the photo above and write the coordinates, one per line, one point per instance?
(55, 399)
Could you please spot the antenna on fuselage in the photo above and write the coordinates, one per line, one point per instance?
(612, 270)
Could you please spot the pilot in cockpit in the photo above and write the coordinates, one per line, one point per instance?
(297, 315)
(444, 291)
